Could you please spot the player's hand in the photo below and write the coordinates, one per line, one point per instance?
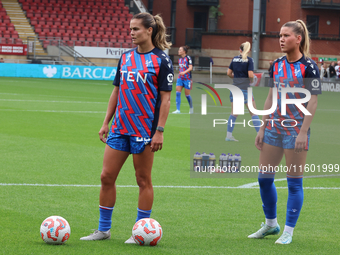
(157, 141)
(300, 142)
(259, 139)
(181, 73)
(103, 133)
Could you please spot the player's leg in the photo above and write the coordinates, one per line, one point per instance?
(231, 122)
(255, 118)
(179, 87)
(112, 163)
(143, 165)
(187, 95)
(295, 163)
(270, 157)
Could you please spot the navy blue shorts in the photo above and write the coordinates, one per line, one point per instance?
(184, 83)
(245, 95)
(132, 144)
(283, 141)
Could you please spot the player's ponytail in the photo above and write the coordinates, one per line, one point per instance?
(245, 48)
(158, 29)
(299, 28)
(159, 39)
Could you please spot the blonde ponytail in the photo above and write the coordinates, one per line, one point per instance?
(245, 48)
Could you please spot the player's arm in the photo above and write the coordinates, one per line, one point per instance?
(268, 103)
(301, 140)
(111, 108)
(157, 139)
(251, 76)
(230, 73)
(187, 71)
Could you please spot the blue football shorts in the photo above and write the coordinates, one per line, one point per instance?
(245, 95)
(283, 141)
(132, 144)
(184, 83)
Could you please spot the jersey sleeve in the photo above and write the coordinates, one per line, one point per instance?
(231, 65)
(166, 75)
(312, 78)
(116, 81)
(189, 60)
(250, 64)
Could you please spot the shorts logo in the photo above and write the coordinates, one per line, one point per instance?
(142, 139)
(170, 77)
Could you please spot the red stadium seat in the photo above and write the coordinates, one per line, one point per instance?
(101, 44)
(68, 15)
(54, 28)
(62, 29)
(65, 36)
(58, 35)
(97, 38)
(93, 44)
(81, 37)
(49, 21)
(78, 43)
(69, 29)
(57, 21)
(105, 38)
(100, 31)
(53, 14)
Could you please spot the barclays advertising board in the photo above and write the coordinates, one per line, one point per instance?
(58, 71)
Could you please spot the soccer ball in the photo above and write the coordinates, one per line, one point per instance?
(147, 231)
(55, 230)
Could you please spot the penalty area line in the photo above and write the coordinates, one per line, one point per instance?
(155, 186)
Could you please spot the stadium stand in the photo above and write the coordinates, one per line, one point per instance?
(103, 23)
(8, 33)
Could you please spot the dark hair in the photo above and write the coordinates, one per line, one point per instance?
(158, 29)
(299, 28)
(185, 48)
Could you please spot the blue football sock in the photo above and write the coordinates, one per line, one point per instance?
(189, 100)
(295, 200)
(256, 122)
(268, 194)
(105, 216)
(231, 120)
(142, 214)
(178, 100)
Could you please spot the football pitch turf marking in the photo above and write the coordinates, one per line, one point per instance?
(253, 184)
(52, 101)
(155, 186)
(57, 111)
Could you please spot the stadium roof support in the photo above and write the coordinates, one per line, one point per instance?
(256, 33)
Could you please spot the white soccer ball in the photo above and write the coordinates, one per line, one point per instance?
(147, 231)
(55, 230)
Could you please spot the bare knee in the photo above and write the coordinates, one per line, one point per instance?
(107, 179)
(143, 182)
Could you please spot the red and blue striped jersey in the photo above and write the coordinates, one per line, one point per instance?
(141, 77)
(183, 66)
(303, 73)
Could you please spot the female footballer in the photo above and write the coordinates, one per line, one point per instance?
(276, 139)
(241, 70)
(139, 105)
(184, 79)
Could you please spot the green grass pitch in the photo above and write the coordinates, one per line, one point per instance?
(49, 135)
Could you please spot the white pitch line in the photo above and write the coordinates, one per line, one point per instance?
(52, 101)
(156, 186)
(17, 110)
(253, 184)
